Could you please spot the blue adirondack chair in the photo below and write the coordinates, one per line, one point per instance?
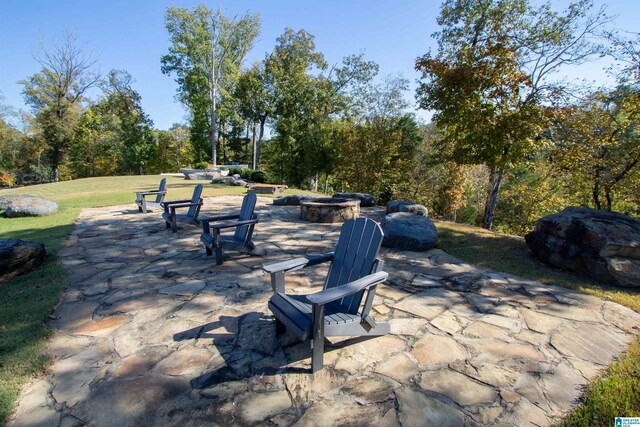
(141, 195)
(342, 307)
(171, 217)
(244, 224)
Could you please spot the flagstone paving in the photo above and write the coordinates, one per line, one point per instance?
(151, 332)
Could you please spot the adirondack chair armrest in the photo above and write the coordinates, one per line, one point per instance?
(332, 294)
(234, 224)
(174, 202)
(182, 205)
(297, 263)
(219, 218)
(154, 192)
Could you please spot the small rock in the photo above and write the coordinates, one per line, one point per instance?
(411, 207)
(366, 200)
(290, 200)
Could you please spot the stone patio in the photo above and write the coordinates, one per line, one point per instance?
(152, 332)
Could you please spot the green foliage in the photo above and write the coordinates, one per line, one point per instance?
(206, 52)
(489, 80)
(202, 165)
(56, 94)
(259, 176)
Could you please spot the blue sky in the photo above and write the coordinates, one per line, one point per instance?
(130, 35)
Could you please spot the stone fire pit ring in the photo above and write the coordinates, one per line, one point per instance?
(329, 210)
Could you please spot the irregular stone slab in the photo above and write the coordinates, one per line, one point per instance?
(366, 200)
(495, 351)
(260, 406)
(73, 315)
(136, 401)
(101, 327)
(414, 408)
(596, 343)
(357, 357)
(400, 367)
(430, 303)
(190, 288)
(335, 413)
(436, 349)
(449, 322)
(496, 375)
(19, 257)
(188, 361)
(540, 322)
(305, 388)
(34, 408)
(142, 362)
(623, 317)
(409, 232)
(563, 387)
(485, 330)
(602, 244)
(370, 389)
(31, 206)
(458, 387)
(406, 326)
(410, 207)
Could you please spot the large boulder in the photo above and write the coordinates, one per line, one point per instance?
(402, 206)
(290, 200)
(18, 257)
(366, 200)
(601, 244)
(408, 231)
(5, 201)
(31, 206)
(202, 176)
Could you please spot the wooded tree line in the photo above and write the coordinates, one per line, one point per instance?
(510, 140)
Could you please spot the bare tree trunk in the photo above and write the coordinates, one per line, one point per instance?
(214, 88)
(326, 182)
(263, 120)
(495, 180)
(315, 183)
(595, 193)
(253, 146)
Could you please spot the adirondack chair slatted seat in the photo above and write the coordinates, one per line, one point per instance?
(342, 307)
(171, 217)
(141, 197)
(244, 224)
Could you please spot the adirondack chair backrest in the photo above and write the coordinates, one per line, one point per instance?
(246, 213)
(197, 192)
(163, 186)
(354, 256)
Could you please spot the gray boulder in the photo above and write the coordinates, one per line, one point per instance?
(31, 206)
(366, 200)
(408, 231)
(290, 200)
(18, 257)
(202, 176)
(5, 201)
(402, 206)
(600, 244)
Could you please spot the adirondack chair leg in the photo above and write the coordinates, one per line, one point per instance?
(209, 251)
(277, 282)
(317, 343)
(144, 205)
(218, 247)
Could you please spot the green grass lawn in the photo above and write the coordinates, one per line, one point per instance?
(27, 300)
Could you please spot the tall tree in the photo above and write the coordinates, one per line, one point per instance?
(206, 54)
(57, 92)
(492, 77)
(133, 125)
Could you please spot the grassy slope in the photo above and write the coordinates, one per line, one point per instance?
(32, 297)
(616, 393)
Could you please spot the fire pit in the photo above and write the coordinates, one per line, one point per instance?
(329, 210)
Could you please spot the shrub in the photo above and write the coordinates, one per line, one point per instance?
(258, 176)
(202, 165)
(246, 173)
(235, 171)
